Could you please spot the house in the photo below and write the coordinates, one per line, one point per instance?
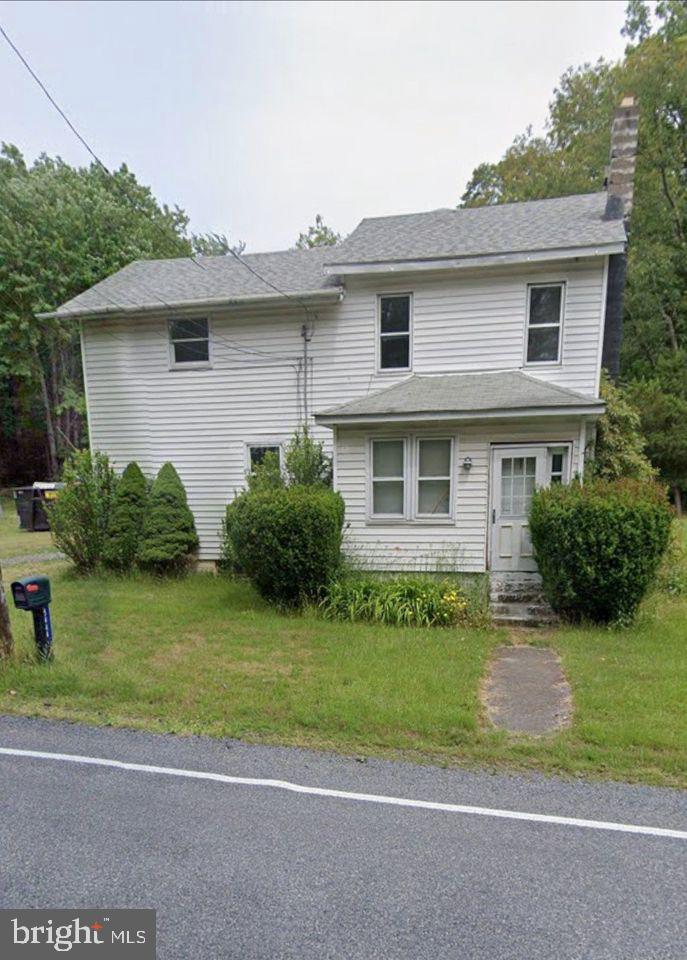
(449, 360)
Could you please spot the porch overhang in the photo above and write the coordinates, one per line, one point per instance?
(460, 398)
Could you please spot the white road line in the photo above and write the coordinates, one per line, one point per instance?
(349, 795)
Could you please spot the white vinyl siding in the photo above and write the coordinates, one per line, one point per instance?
(460, 544)
(202, 419)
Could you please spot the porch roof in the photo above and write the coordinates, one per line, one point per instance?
(463, 396)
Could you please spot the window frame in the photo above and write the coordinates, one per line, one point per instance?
(267, 442)
(566, 473)
(418, 440)
(544, 326)
(174, 364)
(371, 479)
(378, 333)
(411, 471)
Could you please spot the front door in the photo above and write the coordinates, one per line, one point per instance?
(516, 473)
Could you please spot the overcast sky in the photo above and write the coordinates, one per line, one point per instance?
(256, 116)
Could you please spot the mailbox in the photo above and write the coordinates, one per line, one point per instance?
(31, 593)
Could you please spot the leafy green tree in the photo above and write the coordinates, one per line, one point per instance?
(305, 462)
(62, 229)
(317, 235)
(619, 448)
(169, 534)
(126, 519)
(664, 422)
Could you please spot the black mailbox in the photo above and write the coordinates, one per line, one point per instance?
(31, 593)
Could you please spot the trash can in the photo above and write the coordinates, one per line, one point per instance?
(23, 499)
(31, 502)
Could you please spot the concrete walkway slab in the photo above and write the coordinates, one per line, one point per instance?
(526, 691)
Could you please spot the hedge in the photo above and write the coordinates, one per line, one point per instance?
(599, 545)
(287, 541)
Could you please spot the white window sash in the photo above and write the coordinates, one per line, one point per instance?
(557, 325)
(420, 477)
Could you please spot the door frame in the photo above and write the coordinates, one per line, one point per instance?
(491, 499)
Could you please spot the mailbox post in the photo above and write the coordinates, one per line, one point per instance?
(33, 593)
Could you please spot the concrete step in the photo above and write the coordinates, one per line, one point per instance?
(524, 614)
(517, 596)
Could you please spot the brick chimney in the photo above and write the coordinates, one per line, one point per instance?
(621, 171)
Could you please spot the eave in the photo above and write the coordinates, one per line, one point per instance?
(215, 304)
(592, 409)
(482, 260)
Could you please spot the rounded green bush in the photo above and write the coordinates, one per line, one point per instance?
(169, 533)
(599, 545)
(126, 519)
(287, 541)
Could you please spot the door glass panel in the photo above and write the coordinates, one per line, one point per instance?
(518, 479)
(433, 496)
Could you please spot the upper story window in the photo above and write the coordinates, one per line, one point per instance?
(544, 322)
(395, 332)
(189, 342)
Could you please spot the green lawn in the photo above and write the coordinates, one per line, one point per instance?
(205, 655)
(15, 542)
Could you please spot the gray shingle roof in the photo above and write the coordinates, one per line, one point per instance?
(560, 223)
(461, 393)
(150, 284)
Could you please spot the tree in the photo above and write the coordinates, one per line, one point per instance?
(6, 640)
(317, 235)
(169, 533)
(619, 449)
(62, 229)
(214, 245)
(126, 519)
(664, 422)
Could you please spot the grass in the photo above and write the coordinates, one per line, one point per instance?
(205, 655)
(15, 542)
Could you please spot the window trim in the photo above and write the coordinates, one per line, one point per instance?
(544, 326)
(189, 364)
(371, 479)
(566, 448)
(383, 371)
(266, 442)
(411, 461)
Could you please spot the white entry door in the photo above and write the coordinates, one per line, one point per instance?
(516, 473)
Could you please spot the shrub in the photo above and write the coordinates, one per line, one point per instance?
(305, 462)
(266, 475)
(126, 519)
(169, 534)
(80, 514)
(409, 601)
(598, 546)
(287, 541)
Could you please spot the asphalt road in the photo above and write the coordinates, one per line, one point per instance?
(246, 871)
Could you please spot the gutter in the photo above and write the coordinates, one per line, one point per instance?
(180, 306)
(594, 409)
(478, 260)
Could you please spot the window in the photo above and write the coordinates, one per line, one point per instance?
(189, 341)
(388, 478)
(558, 464)
(411, 479)
(256, 453)
(434, 477)
(544, 320)
(394, 332)
(518, 481)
